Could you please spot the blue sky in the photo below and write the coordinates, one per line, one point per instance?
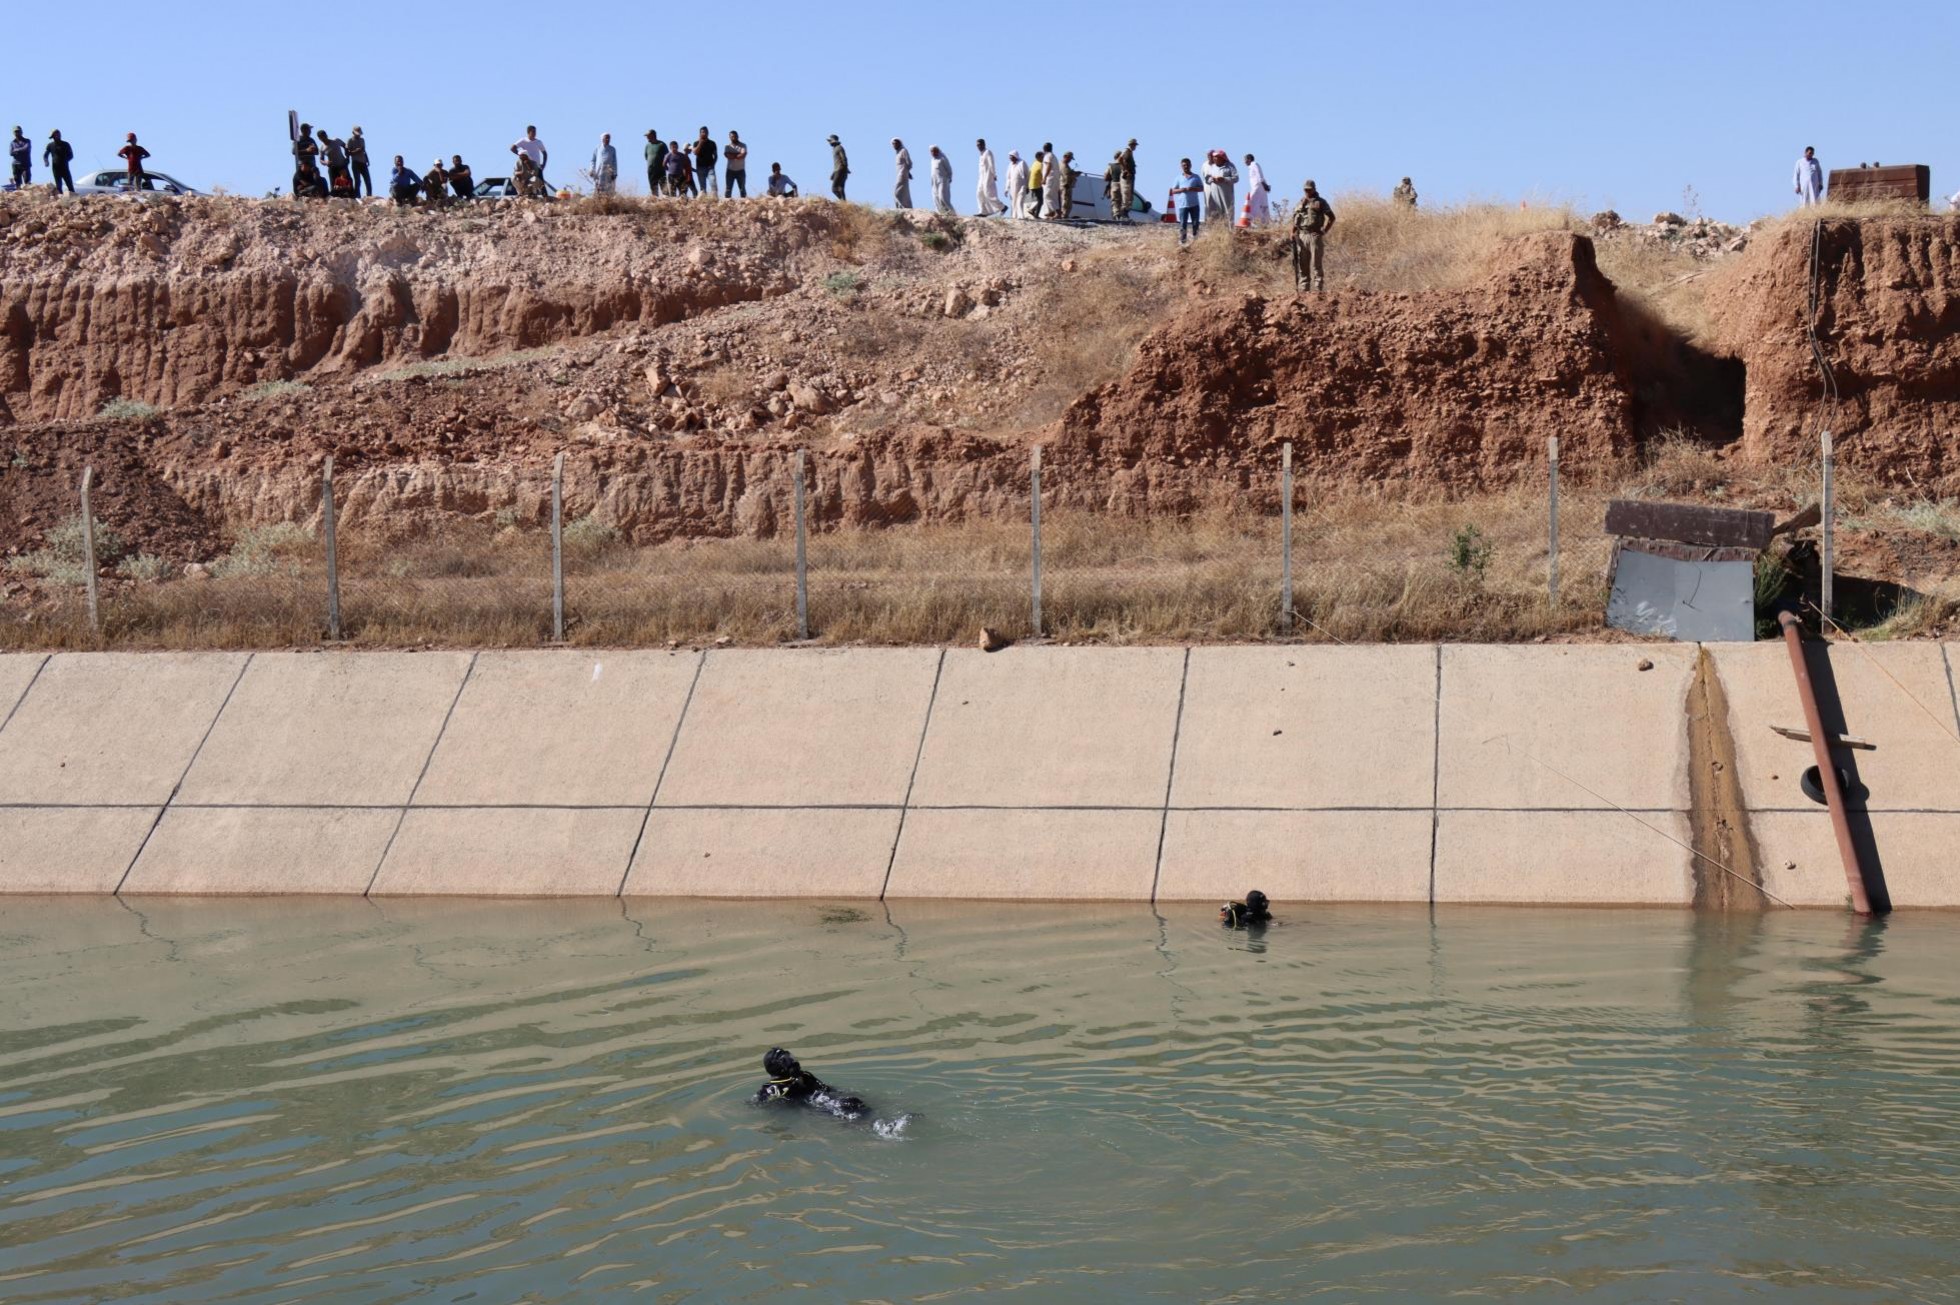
(1623, 105)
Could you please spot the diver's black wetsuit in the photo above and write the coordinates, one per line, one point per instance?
(1251, 913)
(792, 1083)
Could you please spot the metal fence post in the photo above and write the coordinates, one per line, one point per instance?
(88, 552)
(333, 549)
(1034, 517)
(1286, 537)
(1830, 528)
(802, 558)
(1551, 549)
(558, 549)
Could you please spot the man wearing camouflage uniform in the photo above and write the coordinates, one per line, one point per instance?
(840, 167)
(1312, 220)
(1405, 194)
(1126, 181)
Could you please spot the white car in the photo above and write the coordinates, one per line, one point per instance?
(114, 181)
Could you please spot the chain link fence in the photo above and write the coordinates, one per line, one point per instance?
(1286, 559)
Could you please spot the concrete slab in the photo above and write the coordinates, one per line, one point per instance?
(1588, 711)
(1915, 850)
(1562, 858)
(802, 727)
(16, 673)
(69, 849)
(1063, 727)
(1917, 762)
(506, 852)
(222, 850)
(1308, 727)
(1296, 856)
(327, 728)
(112, 728)
(1034, 855)
(770, 852)
(560, 728)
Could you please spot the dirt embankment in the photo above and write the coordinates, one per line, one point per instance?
(1450, 387)
(678, 354)
(1888, 318)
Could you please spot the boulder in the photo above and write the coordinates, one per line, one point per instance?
(808, 398)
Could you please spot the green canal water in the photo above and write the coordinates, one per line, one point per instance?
(428, 1101)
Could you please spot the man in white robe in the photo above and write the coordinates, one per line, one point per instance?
(986, 191)
(942, 182)
(1258, 209)
(1051, 184)
(1810, 178)
(1017, 185)
(902, 182)
(1221, 182)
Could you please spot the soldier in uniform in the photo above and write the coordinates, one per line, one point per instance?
(1404, 194)
(1312, 220)
(840, 167)
(1126, 176)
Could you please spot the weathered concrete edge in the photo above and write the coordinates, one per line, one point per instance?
(1488, 853)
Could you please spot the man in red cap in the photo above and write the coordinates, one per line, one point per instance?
(134, 154)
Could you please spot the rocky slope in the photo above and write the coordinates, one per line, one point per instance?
(679, 354)
(1888, 319)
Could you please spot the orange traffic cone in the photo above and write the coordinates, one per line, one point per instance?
(1245, 214)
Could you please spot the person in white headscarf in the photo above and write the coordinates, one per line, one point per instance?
(1017, 185)
(1258, 209)
(941, 169)
(1221, 179)
(986, 191)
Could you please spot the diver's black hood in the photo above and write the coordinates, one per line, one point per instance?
(778, 1063)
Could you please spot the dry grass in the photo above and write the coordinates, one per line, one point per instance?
(1367, 568)
(1379, 245)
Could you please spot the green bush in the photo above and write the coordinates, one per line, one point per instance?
(275, 390)
(129, 410)
(265, 550)
(61, 559)
(843, 283)
(588, 536)
(1470, 553)
(143, 566)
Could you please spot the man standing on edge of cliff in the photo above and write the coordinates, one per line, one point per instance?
(902, 184)
(1125, 196)
(133, 155)
(1312, 220)
(840, 167)
(1810, 178)
(21, 151)
(57, 156)
(656, 153)
(357, 163)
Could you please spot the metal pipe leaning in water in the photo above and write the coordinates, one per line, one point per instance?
(1827, 775)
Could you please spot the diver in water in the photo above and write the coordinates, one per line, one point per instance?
(1253, 912)
(789, 1081)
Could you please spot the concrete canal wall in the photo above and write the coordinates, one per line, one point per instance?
(1552, 774)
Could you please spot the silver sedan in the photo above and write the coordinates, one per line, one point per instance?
(114, 181)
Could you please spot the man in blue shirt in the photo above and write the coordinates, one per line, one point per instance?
(1188, 193)
(404, 184)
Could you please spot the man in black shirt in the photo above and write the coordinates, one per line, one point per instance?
(705, 154)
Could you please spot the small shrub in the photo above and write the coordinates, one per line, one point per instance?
(1773, 581)
(1942, 518)
(937, 241)
(265, 550)
(129, 410)
(588, 536)
(1470, 554)
(61, 559)
(843, 284)
(275, 390)
(147, 567)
